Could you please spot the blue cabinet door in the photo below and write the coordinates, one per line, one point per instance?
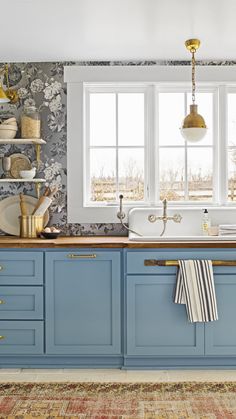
(155, 325)
(220, 335)
(83, 303)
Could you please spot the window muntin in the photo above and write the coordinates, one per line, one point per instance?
(115, 145)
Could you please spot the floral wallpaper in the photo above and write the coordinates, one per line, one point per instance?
(42, 84)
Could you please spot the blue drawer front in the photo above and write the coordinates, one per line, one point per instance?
(21, 337)
(21, 268)
(155, 325)
(135, 259)
(19, 303)
(83, 303)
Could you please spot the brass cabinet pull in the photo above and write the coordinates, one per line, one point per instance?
(2, 302)
(2, 337)
(73, 256)
(1, 268)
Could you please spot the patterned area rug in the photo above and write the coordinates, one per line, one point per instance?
(118, 401)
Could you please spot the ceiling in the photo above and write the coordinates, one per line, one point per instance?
(48, 30)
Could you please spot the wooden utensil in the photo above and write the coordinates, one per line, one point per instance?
(41, 199)
(45, 202)
(23, 206)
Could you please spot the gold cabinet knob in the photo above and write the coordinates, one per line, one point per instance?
(2, 302)
(2, 337)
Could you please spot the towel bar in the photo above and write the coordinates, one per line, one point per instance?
(155, 262)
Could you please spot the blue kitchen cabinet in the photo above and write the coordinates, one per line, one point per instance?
(155, 325)
(83, 303)
(220, 336)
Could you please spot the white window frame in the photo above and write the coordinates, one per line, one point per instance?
(78, 76)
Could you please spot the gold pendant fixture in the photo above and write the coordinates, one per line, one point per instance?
(194, 127)
(8, 95)
(3, 96)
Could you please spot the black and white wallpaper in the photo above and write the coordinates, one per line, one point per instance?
(42, 84)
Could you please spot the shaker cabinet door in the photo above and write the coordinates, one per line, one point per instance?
(220, 335)
(83, 303)
(157, 326)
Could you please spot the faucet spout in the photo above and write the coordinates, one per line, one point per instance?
(164, 217)
(164, 202)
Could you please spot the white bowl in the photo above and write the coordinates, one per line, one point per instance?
(9, 121)
(28, 174)
(7, 132)
(5, 127)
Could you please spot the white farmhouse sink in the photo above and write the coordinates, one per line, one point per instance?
(189, 229)
(135, 237)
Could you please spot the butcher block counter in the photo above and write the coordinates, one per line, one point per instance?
(106, 242)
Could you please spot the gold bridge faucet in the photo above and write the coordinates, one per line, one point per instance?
(164, 217)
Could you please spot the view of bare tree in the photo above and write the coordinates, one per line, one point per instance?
(172, 184)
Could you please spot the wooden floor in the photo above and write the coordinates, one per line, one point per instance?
(100, 375)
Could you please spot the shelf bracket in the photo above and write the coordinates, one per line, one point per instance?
(38, 152)
(38, 189)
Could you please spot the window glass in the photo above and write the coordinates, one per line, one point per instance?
(172, 174)
(130, 119)
(102, 175)
(131, 173)
(102, 125)
(116, 146)
(185, 169)
(200, 176)
(231, 129)
(171, 114)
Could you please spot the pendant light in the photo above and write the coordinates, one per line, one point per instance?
(193, 128)
(3, 96)
(8, 95)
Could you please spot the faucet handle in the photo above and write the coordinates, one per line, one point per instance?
(177, 218)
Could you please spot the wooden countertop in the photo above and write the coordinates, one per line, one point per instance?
(105, 242)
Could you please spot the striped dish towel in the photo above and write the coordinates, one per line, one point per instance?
(195, 288)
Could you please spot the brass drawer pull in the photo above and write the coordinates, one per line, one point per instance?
(2, 337)
(1, 268)
(2, 302)
(73, 256)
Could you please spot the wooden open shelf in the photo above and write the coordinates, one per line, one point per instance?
(23, 141)
(35, 180)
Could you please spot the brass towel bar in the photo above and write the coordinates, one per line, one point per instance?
(155, 262)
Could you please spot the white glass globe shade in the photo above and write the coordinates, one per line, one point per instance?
(193, 134)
